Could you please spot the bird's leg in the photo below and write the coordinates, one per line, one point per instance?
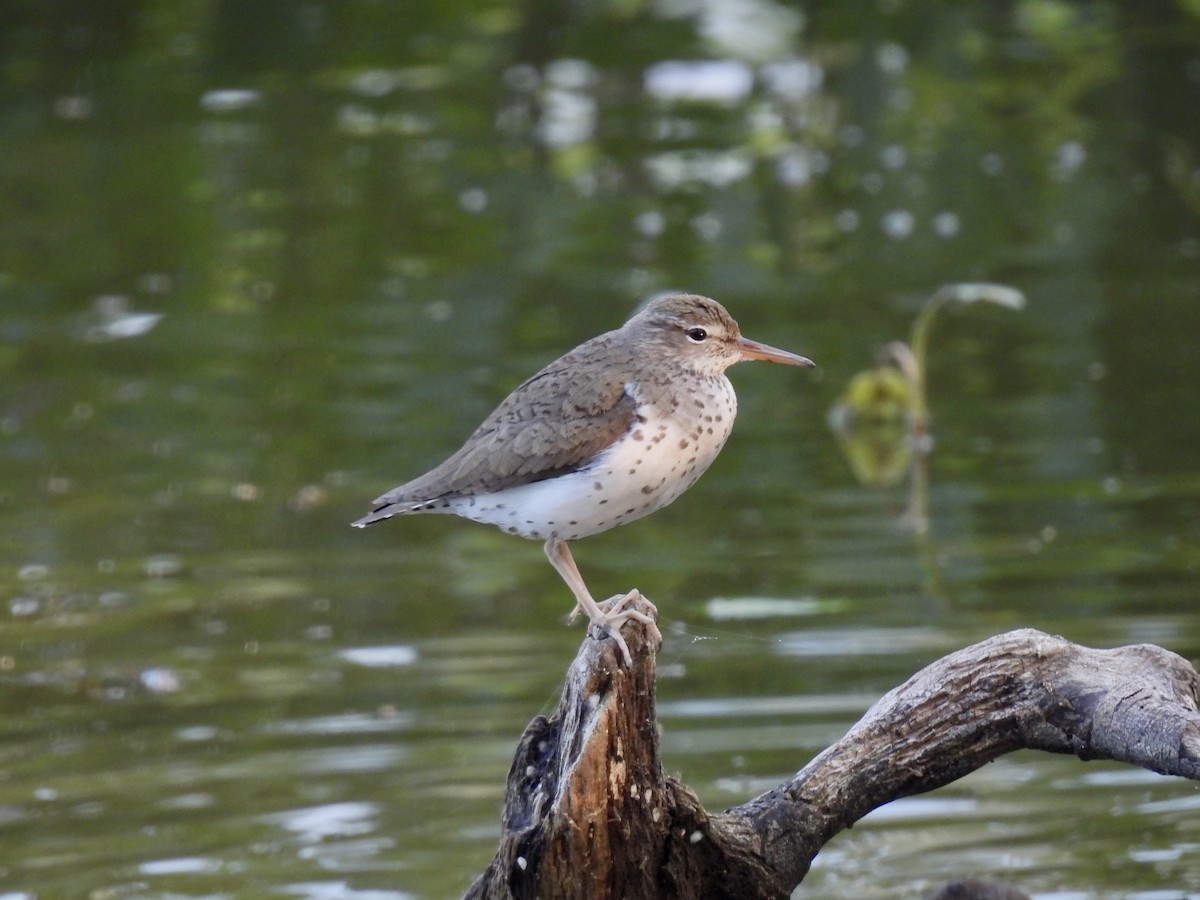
(610, 619)
(610, 607)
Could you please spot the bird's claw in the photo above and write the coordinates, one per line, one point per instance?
(616, 613)
(617, 602)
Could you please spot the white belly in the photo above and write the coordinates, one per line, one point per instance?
(645, 470)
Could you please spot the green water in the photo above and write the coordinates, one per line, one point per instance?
(362, 223)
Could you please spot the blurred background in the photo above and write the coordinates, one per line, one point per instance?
(260, 262)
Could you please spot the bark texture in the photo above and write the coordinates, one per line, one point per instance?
(589, 813)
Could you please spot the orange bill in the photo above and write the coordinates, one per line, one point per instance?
(754, 350)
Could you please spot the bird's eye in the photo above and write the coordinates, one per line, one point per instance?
(697, 335)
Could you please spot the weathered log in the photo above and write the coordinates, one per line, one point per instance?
(590, 814)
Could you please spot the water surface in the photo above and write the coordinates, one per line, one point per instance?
(259, 263)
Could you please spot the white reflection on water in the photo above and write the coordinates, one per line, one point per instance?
(673, 169)
(338, 890)
(362, 855)
(725, 608)
(317, 823)
(195, 800)
(1185, 803)
(793, 79)
(862, 641)
(743, 707)
(230, 100)
(316, 761)
(1163, 854)
(185, 865)
(922, 808)
(380, 657)
(348, 723)
(1129, 776)
(712, 80)
(365, 758)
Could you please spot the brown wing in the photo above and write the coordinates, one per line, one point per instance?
(555, 422)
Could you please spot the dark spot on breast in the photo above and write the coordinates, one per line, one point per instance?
(638, 436)
(597, 486)
(683, 444)
(647, 490)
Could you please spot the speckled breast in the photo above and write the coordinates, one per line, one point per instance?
(673, 440)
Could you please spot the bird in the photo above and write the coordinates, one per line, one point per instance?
(608, 433)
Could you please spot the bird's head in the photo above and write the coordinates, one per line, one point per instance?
(702, 334)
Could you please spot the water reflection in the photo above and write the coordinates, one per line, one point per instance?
(256, 257)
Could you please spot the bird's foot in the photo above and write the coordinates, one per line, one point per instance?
(616, 603)
(615, 612)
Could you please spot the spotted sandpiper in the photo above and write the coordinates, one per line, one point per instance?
(612, 431)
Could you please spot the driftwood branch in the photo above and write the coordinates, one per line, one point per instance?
(589, 813)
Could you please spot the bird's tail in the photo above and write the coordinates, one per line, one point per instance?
(387, 510)
(379, 514)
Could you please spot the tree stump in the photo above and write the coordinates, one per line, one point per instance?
(590, 814)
